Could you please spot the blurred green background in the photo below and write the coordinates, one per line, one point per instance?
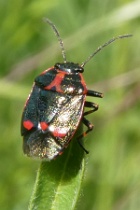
(27, 47)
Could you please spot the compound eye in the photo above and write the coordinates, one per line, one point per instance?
(57, 65)
(80, 69)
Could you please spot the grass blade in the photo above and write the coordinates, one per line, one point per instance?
(58, 182)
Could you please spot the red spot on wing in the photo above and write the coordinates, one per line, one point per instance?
(59, 132)
(44, 125)
(28, 124)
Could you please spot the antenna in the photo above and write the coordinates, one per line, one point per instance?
(104, 45)
(58, 37)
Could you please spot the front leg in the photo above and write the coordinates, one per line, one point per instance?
(94, 93)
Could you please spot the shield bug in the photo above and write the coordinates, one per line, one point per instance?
(55, 106)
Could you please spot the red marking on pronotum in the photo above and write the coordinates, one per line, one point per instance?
(56, 82)
(84, 84)
(44, 72)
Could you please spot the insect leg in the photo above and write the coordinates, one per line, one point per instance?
(89, 128)
(93, 106)
(94, 93)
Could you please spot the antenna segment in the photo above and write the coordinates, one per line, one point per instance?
(58, 37)
(104, 45)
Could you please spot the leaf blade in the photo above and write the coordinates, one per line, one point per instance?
(58, 182)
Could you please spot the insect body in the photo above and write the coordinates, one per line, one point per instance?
(55, 107)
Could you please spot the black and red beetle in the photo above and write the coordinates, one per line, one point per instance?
(55, 107)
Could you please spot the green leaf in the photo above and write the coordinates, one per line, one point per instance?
(58, 182)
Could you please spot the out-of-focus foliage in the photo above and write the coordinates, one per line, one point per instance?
(27, 47)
